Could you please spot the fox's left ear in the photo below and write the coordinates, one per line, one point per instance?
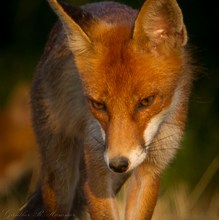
(159, 22)
(75, 22)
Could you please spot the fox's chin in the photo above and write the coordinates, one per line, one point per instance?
(136, 158)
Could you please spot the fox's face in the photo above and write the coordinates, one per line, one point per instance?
(130, 76)
(130, 94)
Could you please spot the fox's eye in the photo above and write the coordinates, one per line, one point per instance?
(98, 105)
(146, 102)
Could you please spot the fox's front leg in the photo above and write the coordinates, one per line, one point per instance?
(60, 176)
(142, 194)
(101, 200)
(99, 189)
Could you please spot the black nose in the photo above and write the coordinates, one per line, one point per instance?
(119, 164)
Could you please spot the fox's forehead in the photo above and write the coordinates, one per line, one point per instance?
(117, 68)
(131, 73)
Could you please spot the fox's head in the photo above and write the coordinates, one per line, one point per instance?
(130, 73)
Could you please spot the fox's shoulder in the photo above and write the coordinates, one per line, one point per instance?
(111, 12)
(107, 11)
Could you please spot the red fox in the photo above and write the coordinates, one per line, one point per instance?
(109, 103)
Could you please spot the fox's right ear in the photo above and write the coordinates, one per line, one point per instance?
(74, 20)
(160, 22)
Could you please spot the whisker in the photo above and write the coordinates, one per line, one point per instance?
(171, 123)
(160, 149)
(99, 141)
(158, 140)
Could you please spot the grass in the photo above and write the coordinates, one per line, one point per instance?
(179, 204)
(176, 203)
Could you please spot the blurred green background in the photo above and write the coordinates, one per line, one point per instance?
(25, 26)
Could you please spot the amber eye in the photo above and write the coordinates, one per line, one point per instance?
(98, 105)
(146, 102)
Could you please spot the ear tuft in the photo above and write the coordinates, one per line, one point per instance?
(75, 22)
(80, 16)
(158, 22)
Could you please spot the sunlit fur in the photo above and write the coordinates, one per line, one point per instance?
(116, 56)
